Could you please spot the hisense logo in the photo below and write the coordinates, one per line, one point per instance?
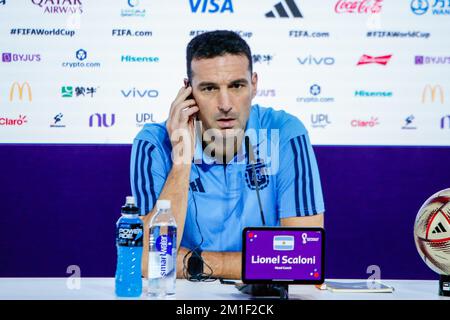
(129, 58)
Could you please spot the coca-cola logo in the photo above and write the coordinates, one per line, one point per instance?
(362, 6)
(5, 121)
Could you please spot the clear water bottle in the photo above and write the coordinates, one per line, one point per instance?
(129, 236)
(162, 260)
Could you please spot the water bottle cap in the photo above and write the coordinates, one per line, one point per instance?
(163, 204)
(129, 200)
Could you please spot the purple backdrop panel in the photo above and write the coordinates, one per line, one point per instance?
(60, 204)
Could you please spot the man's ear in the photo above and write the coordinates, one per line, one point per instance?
(254, 84)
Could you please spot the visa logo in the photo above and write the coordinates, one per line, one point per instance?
(283, 243)
(211, 6)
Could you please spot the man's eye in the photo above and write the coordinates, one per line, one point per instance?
(237, 85)
(208, 89)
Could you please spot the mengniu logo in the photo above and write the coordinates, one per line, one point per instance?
(445, 122)
(430, 93)
(101, 120)
(211, 6)
(20, 57)
(362, 6)
(262, 58)
(14, 122)
(78, 91)
(282, 8)
(366, 59)
(60, 6)
(19, 89)
(372, 122)
(439, 8)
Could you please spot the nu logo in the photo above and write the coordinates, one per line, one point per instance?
(432, 90)
(281, 10)
(102, 120)
(20, 88)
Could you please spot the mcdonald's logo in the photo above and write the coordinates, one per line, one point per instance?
(432, 91)
(20, 88)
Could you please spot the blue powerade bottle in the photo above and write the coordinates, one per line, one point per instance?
(129, 236)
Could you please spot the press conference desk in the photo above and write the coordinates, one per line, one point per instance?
(103, 289)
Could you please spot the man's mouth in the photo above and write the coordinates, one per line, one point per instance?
(226, 123)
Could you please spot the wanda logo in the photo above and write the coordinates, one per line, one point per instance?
(362, 6)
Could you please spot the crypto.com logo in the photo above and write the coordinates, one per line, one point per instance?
(431, 91)
(366, 59)
(19, 87)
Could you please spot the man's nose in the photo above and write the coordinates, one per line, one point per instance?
(224, 102)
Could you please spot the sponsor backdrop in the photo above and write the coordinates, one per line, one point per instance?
(368, 72)
(79, 79)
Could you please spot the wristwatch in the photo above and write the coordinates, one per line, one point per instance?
(195, 264)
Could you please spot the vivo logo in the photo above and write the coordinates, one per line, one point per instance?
(102, 120)
(211, 6)
(310, 60)
(136, 93)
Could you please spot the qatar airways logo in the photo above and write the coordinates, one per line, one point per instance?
(372, 122)
(60, 6)
(366, 59)
(358, 7)
(17, 122)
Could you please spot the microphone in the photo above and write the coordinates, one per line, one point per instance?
(251, 156)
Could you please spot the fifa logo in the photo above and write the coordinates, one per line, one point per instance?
(20, 88)
(432, 91)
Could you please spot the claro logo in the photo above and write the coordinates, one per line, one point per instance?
(4, 121)
(20, 88)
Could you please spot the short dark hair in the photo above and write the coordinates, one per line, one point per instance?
(215, 44)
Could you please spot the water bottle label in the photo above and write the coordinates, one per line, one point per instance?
(129, 235)
(164, 244)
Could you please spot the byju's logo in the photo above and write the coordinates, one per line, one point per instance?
(372, 122)
(19, 88)
(445, 122)
(366, 59)
(57, 121)
(262, 58)
(15, 122)
(133, 9)
(60, 6)
(102, 120)
(421, 7)
(71, 91)
(143, 118)
(361, 6)
(409, 123)
(320, 120)
(430, 92)
(315, 90)
(316, 61)
(81, 55)
(282, 10)
(420, 60)
(211, 6)
(143, 93)
(19, 57)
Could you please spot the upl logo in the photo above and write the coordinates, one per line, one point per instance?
(430, 93)
(19, 88)
(211, 6)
